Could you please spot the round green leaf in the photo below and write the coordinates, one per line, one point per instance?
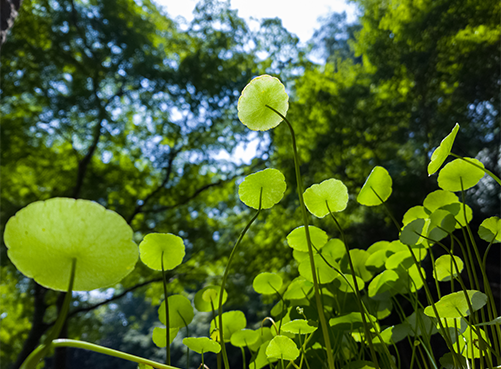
(350, 322)
(459, 171)
(297, 238)
(454, 305)
(490, 230)
(269, 182)
(202, 345)
(207, 294)
(154, 245)
(416, 212)
(244, 337)
(457, 210)
(384, 285)
(282, 347)
(446, 269)
(180, 311)
(346, 284)
(44, 237)
(375, 262)
(159, 336)
(332, 192)
(233, 321)
(442, 152)
(325, 274)
(299, 326)
(376, 189)
(334, 248)
(298, 289)
(252, 104)
(267, 283)
(358, 258)
(438, 199)
(410, 234)
(442, 223)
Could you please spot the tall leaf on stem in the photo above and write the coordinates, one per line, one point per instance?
(259, 191)
(263, 97)
(163, 251)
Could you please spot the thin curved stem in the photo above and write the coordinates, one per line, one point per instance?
(167, 320)
(41, 351)
(356, 289)
(225, 277)
(110, 352)
(321, 316)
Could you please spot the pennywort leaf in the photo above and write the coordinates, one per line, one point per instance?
(455, 305)
(44, 237)
(267, 283)
(202, 345)
(261, 92)
(282, 347)
(180, 311)
(268, 183)
(297, 238)
(154, 245)
(490, 230)
(330, 194)
(376, 189)
(442, 152)
(460, 175)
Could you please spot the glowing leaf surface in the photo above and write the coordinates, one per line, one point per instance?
(272, 184)
(44, 237)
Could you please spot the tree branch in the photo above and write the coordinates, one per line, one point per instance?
(138, 208)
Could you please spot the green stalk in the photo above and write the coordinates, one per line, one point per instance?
(321, 316)
(41, 351)
(357, 292)
(110, 352)
(167, 347)
(225, 277)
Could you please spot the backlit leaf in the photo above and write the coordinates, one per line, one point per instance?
(180, 311)
(269, 182)
(202, 344)
(459, 174)
(376, 189)
(299, 326)
(446, 269)
(261, 91)
(442, 152)
(206, 295)
(297, 238)
(490, 230)
(159, 336)
(282, 347)
(44, 237)
(330, 194)
(154, 245)
(233, 321)
(454, 305)
(267, 283)
(244, 337)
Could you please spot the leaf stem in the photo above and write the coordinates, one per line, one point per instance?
(167, 322)
(225, 277)
(321, 316)
(41, 351)
(107, 351)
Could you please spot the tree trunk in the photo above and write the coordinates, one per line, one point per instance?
(9, 11)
